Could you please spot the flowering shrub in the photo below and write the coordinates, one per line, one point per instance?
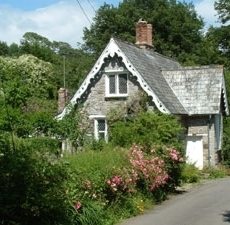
(112, 181)
(151, 170)
(174, 163)
(119, 186)
(148, 172)
(116, 183)
(175, 155)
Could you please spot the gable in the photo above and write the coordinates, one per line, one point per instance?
(129, 60)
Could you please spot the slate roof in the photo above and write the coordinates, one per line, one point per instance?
(149, 64)
(182, 90)
(199, 89)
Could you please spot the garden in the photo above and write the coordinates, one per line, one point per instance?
(103, 183)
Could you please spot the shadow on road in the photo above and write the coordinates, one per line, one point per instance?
(226, 216)
(178, 192)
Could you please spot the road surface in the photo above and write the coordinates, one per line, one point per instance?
(207, 204)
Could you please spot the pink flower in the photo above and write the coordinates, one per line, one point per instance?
(152, 169)
(77, 205)
(115, 182)
(175, 155)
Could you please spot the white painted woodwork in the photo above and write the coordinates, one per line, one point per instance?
(194, 151)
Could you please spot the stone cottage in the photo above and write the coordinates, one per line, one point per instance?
(196, 94)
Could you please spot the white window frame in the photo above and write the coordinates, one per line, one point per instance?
(96, 118)
(107, 87)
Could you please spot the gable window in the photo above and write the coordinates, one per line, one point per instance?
(117, 85)
(100, 129)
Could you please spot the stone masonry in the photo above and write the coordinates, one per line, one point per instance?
(203, 127)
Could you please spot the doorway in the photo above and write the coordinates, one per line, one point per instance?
(194, 151)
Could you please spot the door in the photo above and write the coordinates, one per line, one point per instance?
(194, 151)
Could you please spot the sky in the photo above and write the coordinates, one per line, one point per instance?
(63, 20)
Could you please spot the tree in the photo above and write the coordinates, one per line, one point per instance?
(14, 50)
(220, 40)
(177, 28)
(4, 49)
(37, 45)
(223, 9)
(30, 71)
(25, 82)
(219, 37)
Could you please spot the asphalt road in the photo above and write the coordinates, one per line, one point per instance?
(207, 204)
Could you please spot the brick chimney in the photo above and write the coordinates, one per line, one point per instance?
(62, 99)
(144, 34)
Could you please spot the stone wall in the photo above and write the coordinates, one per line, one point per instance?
(203, 126)
(98, 104)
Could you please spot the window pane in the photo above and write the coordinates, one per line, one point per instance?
(112, 84)
(122, 83)
(101, 125)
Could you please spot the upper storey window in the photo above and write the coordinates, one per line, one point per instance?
(117, 85)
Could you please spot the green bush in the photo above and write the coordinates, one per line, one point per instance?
(190, 174)
(33, 186)
(226, 142)
(44, 144)
(147, 129)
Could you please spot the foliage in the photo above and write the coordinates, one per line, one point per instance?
(90, 171)
(219, 42)
(226, 131)
(33, 185)
(93, 168)
(75, 62)
(44, 144)
(147, 129)
(111, 184)
(226, 142)
(96, 187)
(223, 9)
(26, 76)
(190, 174)
(219, 36)
(4, 49)
(157, 172)
(177, 28)
(215, 172)
(27, 94)
(72, 127)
